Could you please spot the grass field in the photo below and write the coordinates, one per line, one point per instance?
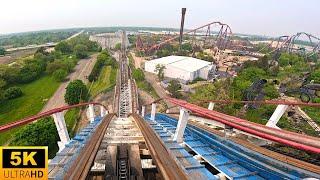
(34, 96)
(106, 79)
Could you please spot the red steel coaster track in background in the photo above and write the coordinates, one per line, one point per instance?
(30, 119)
(289, 43)
(221, 39)
(271, 102)
(299, 141)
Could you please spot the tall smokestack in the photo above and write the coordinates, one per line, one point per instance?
(183, 13)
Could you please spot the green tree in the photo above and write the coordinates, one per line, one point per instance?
(63, 47)
(10, 74)
(40, 133)
(30, 72)
(76, 92)
(12, 92)
(186, 47)
(220, 90)
(174, 87)
(60, 75)
(81, 51)
(286, 59)
(2, 51)
(160, 71)
(252, 74)
(53, 66)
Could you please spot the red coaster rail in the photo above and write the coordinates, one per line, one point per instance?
(296, 140)
(30, 119)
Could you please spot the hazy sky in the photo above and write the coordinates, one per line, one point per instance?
(264, 17)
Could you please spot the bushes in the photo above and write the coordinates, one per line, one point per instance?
(96, 69)
(59, 69)
(174, 87)
(63, 47)
(76, 92)
(60, 75)
(12, 92)
(66, 65)
(80, 51)
(315, 76)
(252, 74)
(53, 66)
(286, 59)
(270, 91)
(103, 59)
(40, 133)
(31, 71)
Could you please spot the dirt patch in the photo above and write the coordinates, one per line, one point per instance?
(145, 98)
(138, 61)
(6, 59)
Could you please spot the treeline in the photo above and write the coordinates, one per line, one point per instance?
(24, 39)
(103, 59)
(58, 63)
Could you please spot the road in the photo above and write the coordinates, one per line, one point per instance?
(81, 71)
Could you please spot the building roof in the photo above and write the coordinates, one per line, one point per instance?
(189, 64)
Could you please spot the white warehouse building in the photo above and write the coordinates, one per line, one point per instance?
(180, 67)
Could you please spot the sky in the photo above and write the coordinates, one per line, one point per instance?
(261, 17)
